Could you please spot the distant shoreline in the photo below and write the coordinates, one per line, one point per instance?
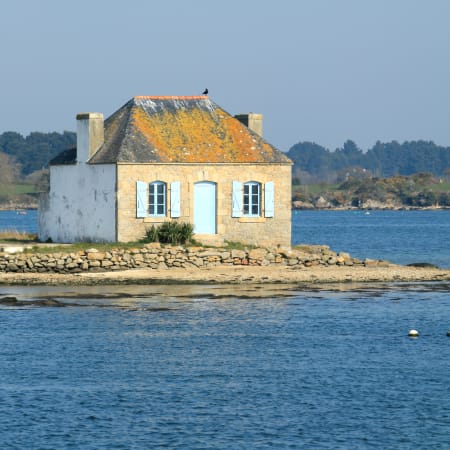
(18, 207)
(397, 208)
(338, 208)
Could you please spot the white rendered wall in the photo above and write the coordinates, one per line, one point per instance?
(81, 204)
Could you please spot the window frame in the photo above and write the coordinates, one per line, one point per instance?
(248, 200)
(153, 200)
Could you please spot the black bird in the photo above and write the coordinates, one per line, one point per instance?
(205, 92)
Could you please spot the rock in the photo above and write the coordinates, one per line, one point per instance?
(240, 254)
(331, 260)
(423, 265)
(370, 262)
(95, 256)
(209, 253)
(257, 253)
(153, 245)
(8, 301)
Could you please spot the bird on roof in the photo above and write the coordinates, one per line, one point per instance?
(205, 92)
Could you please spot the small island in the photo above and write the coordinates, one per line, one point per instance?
(154, 263)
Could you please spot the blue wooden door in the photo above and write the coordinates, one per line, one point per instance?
(205, 207)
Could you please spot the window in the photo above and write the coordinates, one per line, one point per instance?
(152, 199)
(252, 199)
(157, 199)
(247, 199)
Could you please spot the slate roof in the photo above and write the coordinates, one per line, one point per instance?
(68, 156)
(180, 130)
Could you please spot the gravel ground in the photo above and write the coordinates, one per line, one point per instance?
(234, 275)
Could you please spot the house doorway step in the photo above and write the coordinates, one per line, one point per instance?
(212, 240)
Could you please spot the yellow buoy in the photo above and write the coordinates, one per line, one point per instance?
(413, 333)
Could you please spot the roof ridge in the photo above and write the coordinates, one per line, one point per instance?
(170, 97)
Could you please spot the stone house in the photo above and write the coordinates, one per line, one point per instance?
(169, 158)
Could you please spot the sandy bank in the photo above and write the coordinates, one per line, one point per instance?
(234, 275)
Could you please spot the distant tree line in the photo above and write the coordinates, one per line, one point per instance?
(32, 153)
(314, 163)
(26, 159)
(420, 190)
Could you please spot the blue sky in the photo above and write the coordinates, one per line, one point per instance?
(319, 70)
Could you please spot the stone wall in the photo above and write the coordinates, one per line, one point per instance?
(155, 256)
(259, 231)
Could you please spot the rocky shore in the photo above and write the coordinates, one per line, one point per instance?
(156, 264)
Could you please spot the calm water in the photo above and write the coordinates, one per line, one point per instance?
(402, 237)
(195, 368)
(315, 370)
(26, 220)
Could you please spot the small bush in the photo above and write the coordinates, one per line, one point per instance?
(151, 234)
(187, 232)
(170, 233)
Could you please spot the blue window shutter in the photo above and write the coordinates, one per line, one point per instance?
(175, 199)
(237, 199)
(269, 199)
(141, 199)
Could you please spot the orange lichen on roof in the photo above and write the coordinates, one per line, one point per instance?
(174, 129)
(197, 135)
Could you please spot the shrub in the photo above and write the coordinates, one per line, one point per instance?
(151, 234)
(170, 233)
(187, 232)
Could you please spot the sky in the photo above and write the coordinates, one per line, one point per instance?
(318, 70)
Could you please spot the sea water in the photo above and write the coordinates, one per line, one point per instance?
(403, 237)
(25, 220)
(145, 369)
(196, 368)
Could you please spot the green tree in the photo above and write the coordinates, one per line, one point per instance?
(9, 170)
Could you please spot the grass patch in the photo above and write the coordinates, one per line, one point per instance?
(17, 236)
(441, 187)
(83, 246)
(234, 245)
(17, 189)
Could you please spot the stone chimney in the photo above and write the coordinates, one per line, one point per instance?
(90, 135)
(252, 121)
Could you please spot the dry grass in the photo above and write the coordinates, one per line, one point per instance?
(17, 236)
